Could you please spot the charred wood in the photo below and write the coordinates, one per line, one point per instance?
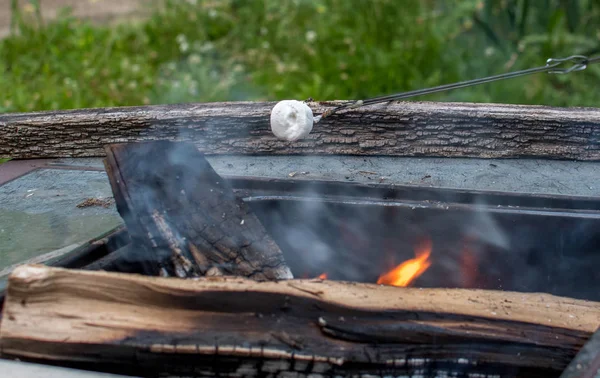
(184, 218)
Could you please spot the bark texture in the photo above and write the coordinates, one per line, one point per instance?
(394, 129)
(238, 327)
(182, 215)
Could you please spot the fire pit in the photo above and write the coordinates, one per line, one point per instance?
(357, 232)
(249, 318)
(256, 277)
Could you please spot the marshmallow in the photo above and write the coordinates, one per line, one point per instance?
(291, 120)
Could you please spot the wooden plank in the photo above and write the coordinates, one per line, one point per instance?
(395, 129)
(182, 214)
(234, 325)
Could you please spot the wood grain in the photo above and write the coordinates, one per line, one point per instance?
(394, 129)
(326, 327)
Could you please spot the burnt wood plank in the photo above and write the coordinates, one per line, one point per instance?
(394, 129)
(234, 325)
(182, 214)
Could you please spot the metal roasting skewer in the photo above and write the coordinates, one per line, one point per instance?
(579, 63)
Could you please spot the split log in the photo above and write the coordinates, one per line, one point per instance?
(182, 215)
(394, 129)
(237, 327)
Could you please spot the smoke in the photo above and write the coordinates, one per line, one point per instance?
(484, 241)
(485, 228)
(315, 235)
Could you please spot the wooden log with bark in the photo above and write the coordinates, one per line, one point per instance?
(394, 129)
(184, 219)
(239, 327)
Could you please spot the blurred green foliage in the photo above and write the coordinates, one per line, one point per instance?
(196, 51)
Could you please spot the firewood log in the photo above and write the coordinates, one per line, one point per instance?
(432, 129)
(240, 327)
(183, 215)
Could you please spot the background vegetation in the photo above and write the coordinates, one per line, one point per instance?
(195, 51)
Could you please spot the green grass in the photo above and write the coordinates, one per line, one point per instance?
(196, 51)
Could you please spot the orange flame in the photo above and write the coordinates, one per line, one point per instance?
(323, 276)
(405, 273)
